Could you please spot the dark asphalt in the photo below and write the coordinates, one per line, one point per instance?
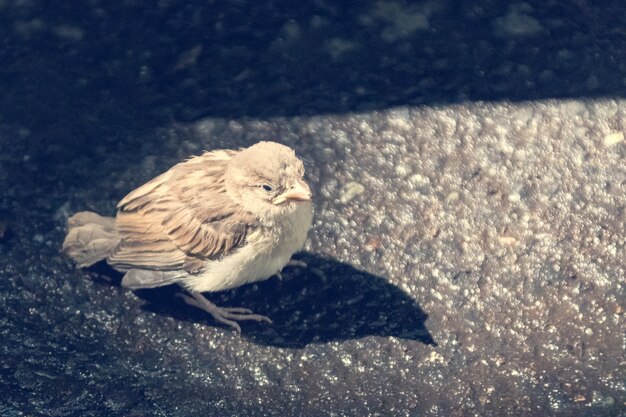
(469, 172)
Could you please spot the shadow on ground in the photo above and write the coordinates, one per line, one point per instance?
(94, 79)
(90, 70)
(306, 307)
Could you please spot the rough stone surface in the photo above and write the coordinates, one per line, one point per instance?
(479, 271)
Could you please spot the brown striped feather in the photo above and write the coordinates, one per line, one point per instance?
(172, 222)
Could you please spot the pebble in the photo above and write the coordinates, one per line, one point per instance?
(613, 138)
(351, 190)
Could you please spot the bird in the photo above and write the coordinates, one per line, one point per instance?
(214, 222)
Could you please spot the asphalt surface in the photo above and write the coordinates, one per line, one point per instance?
(469, 173)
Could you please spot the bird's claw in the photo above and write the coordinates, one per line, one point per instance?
(224, 315)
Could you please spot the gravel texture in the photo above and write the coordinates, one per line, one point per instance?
(470, 186)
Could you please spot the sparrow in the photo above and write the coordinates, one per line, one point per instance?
(212, 223)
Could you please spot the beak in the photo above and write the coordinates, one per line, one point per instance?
(300, 191)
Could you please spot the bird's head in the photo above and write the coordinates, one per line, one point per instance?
(267, 179)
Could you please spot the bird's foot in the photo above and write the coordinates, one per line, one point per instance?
(292, 262)
(225, 315)
(301, 264)
(298, 263)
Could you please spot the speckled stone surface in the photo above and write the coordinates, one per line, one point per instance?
(469, 168)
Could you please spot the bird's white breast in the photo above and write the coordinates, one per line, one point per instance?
(264, 254)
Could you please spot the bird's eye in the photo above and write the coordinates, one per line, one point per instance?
(267, 188)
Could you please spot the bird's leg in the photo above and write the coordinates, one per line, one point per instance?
(302, 264)
(226, 315)
(292, 262)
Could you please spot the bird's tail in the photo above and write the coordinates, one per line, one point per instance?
(90, 238)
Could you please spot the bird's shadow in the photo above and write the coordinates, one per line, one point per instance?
(307, 306)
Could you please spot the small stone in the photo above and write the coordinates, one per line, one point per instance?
(507, 240)
(592, 82)
(188, 58)
(402, 19)
(149, 163)
(613, 138)
(69, 33)
(351, 190)
(205, 126)
(291, 30)
(401, 170)
(338, 47)
(517, 23)
(418, 180)
(318, 22)
(514, 198)
(435, 357)
(453, 196)
(372, 244)
(62, 213)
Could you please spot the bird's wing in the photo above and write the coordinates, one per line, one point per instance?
(180, 218)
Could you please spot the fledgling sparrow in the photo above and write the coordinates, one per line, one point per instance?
(213, 222)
